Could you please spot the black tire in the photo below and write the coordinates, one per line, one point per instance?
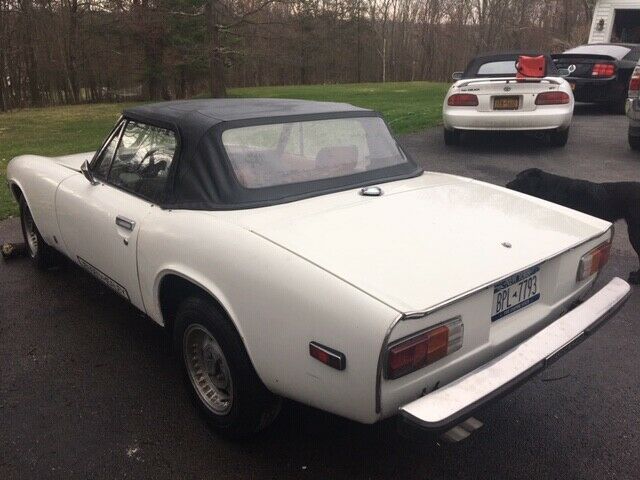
(41, 254)
(451, 137)
(559, 138)
(252, 406)
(634, 142)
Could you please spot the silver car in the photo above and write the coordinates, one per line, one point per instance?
(633, 109)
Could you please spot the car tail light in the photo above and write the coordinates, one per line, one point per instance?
(634, 83)
(553, 98)
(463, 100)
(592, 261)
(603, 70)
(419, 350)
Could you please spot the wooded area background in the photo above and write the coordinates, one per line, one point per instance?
(73, 51)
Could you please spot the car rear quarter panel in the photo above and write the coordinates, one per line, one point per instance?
(279, 303)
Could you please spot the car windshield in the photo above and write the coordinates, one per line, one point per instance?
(305, 151)
(615, 51)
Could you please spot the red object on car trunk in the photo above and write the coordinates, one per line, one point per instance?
(531, 67)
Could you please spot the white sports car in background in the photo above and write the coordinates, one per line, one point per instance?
(488, 96)
(292, 249)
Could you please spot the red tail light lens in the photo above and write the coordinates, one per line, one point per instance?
(592, 261)
(603, 70)
(328, 356)
(424, 348)
(463, 100)
(634, 83)
(552, 98)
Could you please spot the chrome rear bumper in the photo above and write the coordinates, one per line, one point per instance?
(453, 403)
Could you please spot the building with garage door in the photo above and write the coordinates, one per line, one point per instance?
(616, 21)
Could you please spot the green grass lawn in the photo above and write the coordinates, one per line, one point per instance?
(407, 107)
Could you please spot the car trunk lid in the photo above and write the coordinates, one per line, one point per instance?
(493, 93)
(581, 65)
(424, 240)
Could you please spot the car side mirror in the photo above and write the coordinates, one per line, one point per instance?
(87, 173)
(564, 72)
(457, 76)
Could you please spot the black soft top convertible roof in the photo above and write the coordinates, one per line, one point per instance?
(208, 112)
(474, 65)
(201, 176)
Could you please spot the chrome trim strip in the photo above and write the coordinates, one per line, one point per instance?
(112, 134)
(125, 223)
(613, 232)
(381, 359)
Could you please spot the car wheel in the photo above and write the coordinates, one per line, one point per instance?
(559, 137)
(42, 255)
(634, 143)
(451, 137)
(219, 373)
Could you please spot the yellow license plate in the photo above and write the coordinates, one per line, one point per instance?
(506, 103)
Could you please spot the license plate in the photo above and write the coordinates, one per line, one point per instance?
(506, 103)
(515, 292)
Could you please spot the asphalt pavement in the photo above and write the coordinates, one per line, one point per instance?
(87, 389)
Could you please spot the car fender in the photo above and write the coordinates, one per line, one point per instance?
(38, 179)
(279, 303)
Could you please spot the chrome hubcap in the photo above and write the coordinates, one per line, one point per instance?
(30, 233)
(208, 369)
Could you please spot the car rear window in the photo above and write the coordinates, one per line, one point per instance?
(615, 51)
(306, 151)
(498, 68)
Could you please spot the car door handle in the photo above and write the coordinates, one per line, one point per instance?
(125, 223)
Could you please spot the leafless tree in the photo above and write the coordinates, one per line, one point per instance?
(72, 51)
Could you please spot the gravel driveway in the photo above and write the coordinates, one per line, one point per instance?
(87, 389)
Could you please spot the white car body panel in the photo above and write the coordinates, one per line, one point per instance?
(392, 246)
(41, 176)
(529, 116)
(341, 269)
(265, 290)
(87, 222)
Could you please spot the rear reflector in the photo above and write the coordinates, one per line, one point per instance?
(328, 356)
(419, 350)
(592, 261)
(603, 70)
(463, 100)
(553, 98)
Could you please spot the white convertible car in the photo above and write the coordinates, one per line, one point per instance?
(491, 95)
(292, 249)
